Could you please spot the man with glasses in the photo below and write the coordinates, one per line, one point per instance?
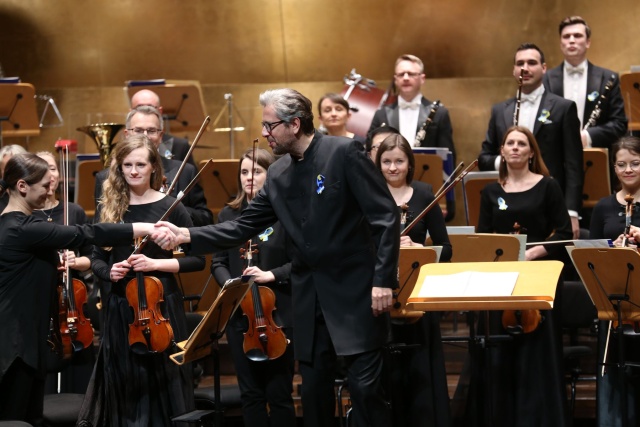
(410, 112)
(344, 226)
(148, 121)
(170, 146)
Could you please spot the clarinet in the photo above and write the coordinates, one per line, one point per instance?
(423, 129)
(595, 114)
(516, 112)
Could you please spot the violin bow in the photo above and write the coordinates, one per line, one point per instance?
(184, 161)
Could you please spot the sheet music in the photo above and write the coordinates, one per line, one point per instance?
(469, 284)
(523, 246)
(596, 243)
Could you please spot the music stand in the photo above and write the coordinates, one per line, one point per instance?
(86, 171)
(18, 115)
(182, 103)
(472, 185)
(409, 262)
(630, 90)
(612, 277)
(204, 338)
(597, 181)
(221, 185)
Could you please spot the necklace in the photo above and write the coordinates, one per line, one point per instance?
(49, 219)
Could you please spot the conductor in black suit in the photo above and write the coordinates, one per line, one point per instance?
(171, 147)
(345, 231)
(552, 119)
(410, 111)
(579, 80)
(147, 120)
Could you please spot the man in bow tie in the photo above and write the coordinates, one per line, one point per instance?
(552, 119)
(584, 83)
(411, 110)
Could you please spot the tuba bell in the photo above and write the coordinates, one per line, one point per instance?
(103, 135)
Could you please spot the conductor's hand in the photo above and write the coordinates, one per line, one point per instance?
(381, 299)
(164, 235)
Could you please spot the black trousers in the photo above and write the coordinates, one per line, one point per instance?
(364, 376)
(22, 394)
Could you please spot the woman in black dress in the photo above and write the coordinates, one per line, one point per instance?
(265, 386)
(527, 383)
(608, 222)
(28, 278)
(130, 385)
(334, 114)
(418, 382)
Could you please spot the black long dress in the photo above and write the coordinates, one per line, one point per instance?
(418, 380)
(526, 386)
(129, 389)
(607, 222)
(28, 277)
(269, 382)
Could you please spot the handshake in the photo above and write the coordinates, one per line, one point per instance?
(167, 235)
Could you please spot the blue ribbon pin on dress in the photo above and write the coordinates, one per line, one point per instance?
(502, 205)
(320, 184)
(264, 236)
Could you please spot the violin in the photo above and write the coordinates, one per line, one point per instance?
(149, 332)
(264, 340)
(518, 322)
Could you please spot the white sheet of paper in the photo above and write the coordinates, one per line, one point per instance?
(469, 284)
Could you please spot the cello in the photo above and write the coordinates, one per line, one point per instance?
(264, 340)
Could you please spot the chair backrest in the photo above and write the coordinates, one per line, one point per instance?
(597, 181)
(629, 84)
(578, 311)
(472, 185)
(86, 171)
(221, 185)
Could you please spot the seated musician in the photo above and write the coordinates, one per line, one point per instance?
(375, 137)
(148, 121)
(144, 386)
(334, 113)
(265, 386)
(608, 222)
(417, 377)
(410, 112)
(526, 372)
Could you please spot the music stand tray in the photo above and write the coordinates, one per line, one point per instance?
(182, 103)
(18, 115)
(535, 287)
(411, 259)
(221, 185)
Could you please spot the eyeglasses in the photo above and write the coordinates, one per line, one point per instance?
(269, 126)
(635, 165)
(149, 131)
(408, 73)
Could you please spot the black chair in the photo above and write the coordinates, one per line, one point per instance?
(14, 424)
(578, 313)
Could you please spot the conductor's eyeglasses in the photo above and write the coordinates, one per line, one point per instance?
(408, 73)
(635, 165)
(270, 126)
(149, 131)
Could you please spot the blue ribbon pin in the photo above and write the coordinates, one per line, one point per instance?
(320, 184)
(264, 236)
(502, 205)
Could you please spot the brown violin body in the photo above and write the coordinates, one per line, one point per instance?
(264, 340)
(149, 332)
(61, 336)
(79, 325)
(518, 322)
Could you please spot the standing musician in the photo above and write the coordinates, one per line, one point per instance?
(411, 110)
(129, 385)
(528, 199)
(265, 386)
(418, 380)
(75, 377)
(146, 120)
(553, 121)
(5, 154)
(344, 227)
(608, 222)
(334, 113)
(28, 278)
(580, 81)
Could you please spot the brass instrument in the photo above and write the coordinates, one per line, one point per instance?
(103, 135)
(595, 114)
(423, 129)
(516, 112)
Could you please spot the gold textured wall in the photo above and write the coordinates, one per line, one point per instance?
(81, 53)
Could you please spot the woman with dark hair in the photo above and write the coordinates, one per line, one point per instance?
(608, 222)
(130, 384)
(334, 113)
(265, 386)
(417, 377)
(526, 200)
(28, 278)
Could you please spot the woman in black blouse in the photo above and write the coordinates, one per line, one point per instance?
(131, 386)
(418, 383)
(28, 277)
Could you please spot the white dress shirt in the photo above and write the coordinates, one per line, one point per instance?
(409, 112)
